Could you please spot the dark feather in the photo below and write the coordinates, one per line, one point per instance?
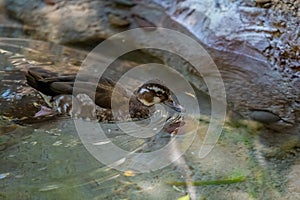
(53, 84)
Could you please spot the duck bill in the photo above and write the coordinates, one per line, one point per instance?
(174, 105)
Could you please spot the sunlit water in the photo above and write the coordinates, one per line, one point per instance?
(48, 160)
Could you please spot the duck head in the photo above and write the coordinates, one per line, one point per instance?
(151, 93)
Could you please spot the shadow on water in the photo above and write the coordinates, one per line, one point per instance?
(47, 160)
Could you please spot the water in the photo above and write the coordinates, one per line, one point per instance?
(52, 163)
(48, 159)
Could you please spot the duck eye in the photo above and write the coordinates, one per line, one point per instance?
(159, 93)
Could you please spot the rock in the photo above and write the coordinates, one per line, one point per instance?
(117, 20)
(265, 117)
(126, 3)
(254, 48)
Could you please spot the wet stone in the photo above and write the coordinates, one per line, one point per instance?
(265, 117)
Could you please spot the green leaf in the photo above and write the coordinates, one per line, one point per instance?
(186, 197)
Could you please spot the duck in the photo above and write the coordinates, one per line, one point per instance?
(78, 102)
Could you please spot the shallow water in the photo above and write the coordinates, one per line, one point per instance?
(49, 160)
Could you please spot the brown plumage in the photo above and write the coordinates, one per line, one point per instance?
(141, 104)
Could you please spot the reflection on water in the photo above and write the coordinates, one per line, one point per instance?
(51, 162)
(47, 160)
(6, 94)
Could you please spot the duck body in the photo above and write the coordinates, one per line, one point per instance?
(60, 88)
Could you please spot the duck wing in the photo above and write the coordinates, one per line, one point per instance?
(53, 84)
(37, 78)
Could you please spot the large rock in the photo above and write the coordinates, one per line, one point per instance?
(253, 43)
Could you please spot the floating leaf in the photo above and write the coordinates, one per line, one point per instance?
(186, 197)
(211, 182)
